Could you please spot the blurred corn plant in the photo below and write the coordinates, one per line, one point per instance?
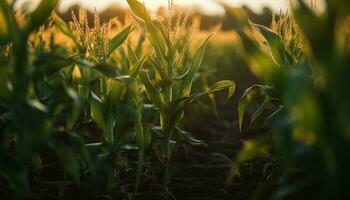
(283, 43)
(304, 61)
(47, 95)
(168, 83)
(24, 119)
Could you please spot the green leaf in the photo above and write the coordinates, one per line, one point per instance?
(158, 132)
(261, 109)
(48, 64)
(158, 43)
(242, 104)
(140, 138)
(115, 92)
(108, 70)
(219, 86)
(68, 146)
(155, 35)
(147, 134)
(119, 39)
(152, 92)
(164, 31)
(3, 24)
(63, 26)
(102, 117)
(10, 26)
(40, 14)
(252, 149)
(204, 86)
(185, 87)
(68, 160)
(275, 42)
(131, 55)
(177, 107)
(77, 108)
(189, 138)
(276, 113)
(127, 80)
(96, 108)
(135, 67)
(139, 10)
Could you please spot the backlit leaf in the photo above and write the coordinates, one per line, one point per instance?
(119, 39)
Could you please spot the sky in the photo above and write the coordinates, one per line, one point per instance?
(209, 6)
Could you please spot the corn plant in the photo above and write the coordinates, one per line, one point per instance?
(308, 131)
(117, 97)
(166, 88)
(25, 117)
(42, 100)
(283, 44)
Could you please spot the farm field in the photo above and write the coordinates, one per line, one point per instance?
(174, 104)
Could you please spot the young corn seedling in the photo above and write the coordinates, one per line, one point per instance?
(166, 88)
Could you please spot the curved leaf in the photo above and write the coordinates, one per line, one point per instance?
(261, 109)
(63, 26)
(139, 10)
(152, 92)
(219, 86)
(185, 87)
(189, 138)
(275, 43)
(102, 118)
(9, 26)
(119, 39)
(266, 90)
(40, 14)
(135, 67)
(155, 35)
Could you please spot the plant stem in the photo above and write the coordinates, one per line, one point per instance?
(168, 129)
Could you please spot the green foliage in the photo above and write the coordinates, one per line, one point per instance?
(168, 91)
(90, 106)
(304, 60)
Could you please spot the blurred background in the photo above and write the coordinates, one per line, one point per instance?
(209, 12)
(209, 6)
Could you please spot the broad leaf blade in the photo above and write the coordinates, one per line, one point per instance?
(186, 85)
(139, 10)
(102, 117)
(275, 43)
(135, 67)
(152, 92)
(119, 39)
